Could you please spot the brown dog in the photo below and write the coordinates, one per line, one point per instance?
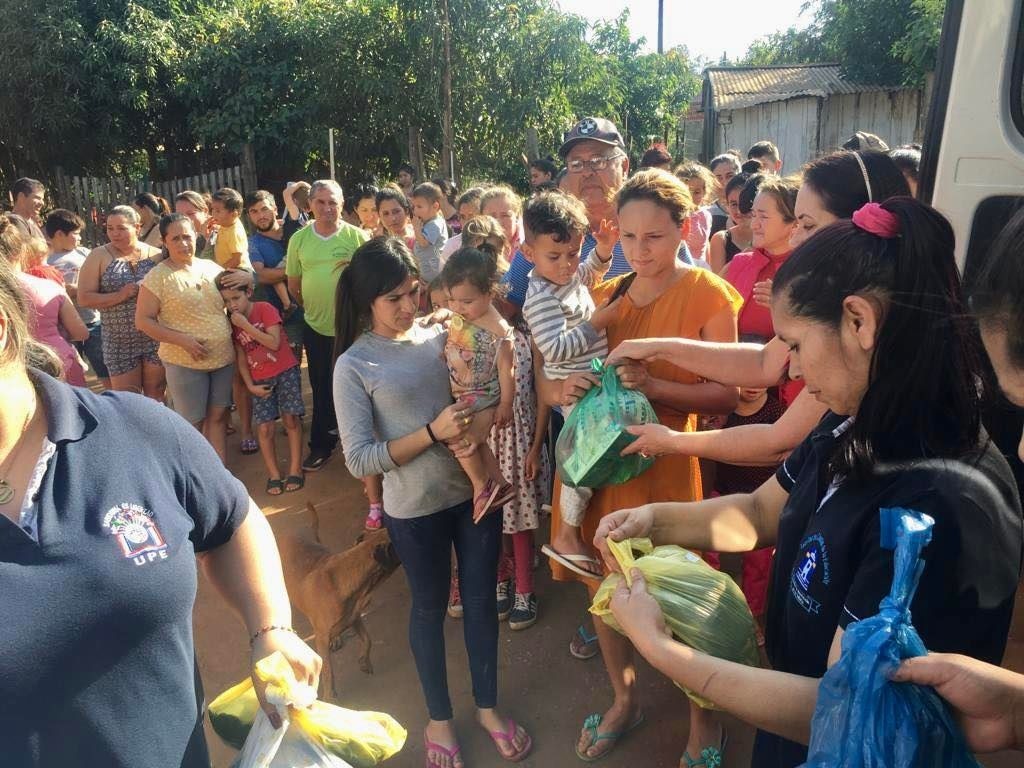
(333, 589)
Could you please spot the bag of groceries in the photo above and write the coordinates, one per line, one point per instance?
(864, 719)
(314, 734)
(588, 448)
(704, 608)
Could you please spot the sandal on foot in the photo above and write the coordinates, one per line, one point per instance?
(374, 519)
(250, 446)
(275, 487)
(507, 736)
(591, 724)
(429, 746)
(710, 757)
(587, 647)
(501, 495)
(569, 562)
(482, 502)
(294, 483)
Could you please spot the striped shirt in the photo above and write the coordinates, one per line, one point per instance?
(559, 319)
(518, 276)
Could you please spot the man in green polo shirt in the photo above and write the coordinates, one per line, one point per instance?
(317, 255)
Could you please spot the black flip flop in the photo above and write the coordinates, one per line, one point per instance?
(273, 485)
(298, 481)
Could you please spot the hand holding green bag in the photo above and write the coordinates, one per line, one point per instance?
(703, 608)
(588, 450)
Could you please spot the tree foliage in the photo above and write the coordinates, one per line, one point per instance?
(168, 86)
(888, 42)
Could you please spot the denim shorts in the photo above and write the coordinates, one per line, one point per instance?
(286, 397)
(193, 392)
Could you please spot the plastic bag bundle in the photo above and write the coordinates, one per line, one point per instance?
(314, 735)
(588, 448)
(704, 608)
(862, 718)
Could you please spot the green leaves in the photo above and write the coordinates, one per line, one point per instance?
(900, 38)
(95, 85)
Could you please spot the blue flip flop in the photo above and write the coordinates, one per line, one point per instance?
(591, 724)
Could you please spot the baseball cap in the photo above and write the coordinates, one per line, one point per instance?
(592, 129)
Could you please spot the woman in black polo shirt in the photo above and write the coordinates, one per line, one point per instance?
(105, 501)
(871, 311)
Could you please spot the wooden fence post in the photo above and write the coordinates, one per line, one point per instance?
(249, 182)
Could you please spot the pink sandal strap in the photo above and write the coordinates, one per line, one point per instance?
(508, 736)
(430, 746)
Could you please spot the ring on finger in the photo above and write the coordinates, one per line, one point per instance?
(467, 419)
(465, 442)
(645, 454)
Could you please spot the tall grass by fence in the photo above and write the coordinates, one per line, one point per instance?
(91, 197)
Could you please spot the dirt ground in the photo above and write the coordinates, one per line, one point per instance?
(540, 684)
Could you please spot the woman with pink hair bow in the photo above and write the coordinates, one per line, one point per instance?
(872, 312)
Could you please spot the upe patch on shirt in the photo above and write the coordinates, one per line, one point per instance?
(135, 531)
(812, 566)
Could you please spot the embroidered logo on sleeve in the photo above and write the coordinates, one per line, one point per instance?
(811, 568)
(135, 532)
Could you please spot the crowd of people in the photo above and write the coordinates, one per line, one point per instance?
(805, 341)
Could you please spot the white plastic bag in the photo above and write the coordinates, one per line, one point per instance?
(285, 747)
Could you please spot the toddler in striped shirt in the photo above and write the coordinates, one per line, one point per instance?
(567, 329)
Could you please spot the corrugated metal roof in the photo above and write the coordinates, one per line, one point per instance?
(740, 87)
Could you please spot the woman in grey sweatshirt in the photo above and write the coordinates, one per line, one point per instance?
(396, 418)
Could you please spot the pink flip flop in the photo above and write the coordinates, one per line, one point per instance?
(508, 737)
(430, 746)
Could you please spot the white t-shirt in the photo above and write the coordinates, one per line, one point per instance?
(70, 264)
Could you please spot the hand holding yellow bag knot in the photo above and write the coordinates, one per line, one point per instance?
(699, 606)
(333, 735)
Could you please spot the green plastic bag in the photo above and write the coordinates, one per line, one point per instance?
(361, 739)
(588, 448)
(703, 608)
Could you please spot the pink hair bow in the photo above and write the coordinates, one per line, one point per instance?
(873, 218)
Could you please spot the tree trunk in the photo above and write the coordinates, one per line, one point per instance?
(447, 138)
(249, 180)
(532, 144)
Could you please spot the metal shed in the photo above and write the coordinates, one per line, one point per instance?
(807, 110)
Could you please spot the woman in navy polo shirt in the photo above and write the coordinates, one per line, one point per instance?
(105, 501)
(871, 311)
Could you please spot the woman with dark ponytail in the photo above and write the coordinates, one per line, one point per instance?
(151, 208)
(396, 418)
(872, 313)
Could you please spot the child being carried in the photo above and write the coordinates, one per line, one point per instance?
(480, 364)
(567, 329)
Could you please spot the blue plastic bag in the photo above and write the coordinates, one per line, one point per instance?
(588, 448)
(862, 719)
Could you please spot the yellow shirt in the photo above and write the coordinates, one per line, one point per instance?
(190, 303)
(231, 240)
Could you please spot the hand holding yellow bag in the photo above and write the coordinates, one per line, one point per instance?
(337, 737)
(703, 608)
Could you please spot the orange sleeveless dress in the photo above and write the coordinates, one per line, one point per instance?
(681, 312)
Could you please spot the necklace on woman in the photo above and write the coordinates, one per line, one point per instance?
(6, 489)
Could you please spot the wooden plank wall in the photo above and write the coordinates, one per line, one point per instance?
(91, 197)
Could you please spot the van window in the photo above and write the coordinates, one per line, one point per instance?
(1017, 77)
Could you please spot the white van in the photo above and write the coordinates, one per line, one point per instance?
(972, 168)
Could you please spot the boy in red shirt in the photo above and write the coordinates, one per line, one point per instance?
(270, 371)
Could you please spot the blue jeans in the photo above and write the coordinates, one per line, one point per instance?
(424, 545)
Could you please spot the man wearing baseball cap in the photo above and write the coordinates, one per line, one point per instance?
(597, 165)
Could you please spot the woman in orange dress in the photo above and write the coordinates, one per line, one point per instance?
(667, 298)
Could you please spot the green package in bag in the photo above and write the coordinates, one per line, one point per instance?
(703, 608)
(587, 451)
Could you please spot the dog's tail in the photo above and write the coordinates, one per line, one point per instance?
(314, 521)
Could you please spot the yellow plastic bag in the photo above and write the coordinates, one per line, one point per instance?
(703, 608)
(361, 739)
